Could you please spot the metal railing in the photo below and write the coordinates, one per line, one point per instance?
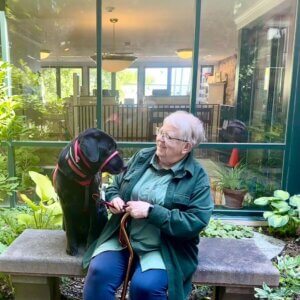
(138, 122)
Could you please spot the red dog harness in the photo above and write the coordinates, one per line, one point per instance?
(73, 161)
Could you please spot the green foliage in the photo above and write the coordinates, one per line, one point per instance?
(26, 160)
(284, 219)
(231, 178)
(289, 283)
(8, 185)
(216, 228)
(66, 75)
(46, 214)
(11, 125)
(6, 286)
(274, 133)
(201, 292)
(10, 228)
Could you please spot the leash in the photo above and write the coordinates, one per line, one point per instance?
(124, 240)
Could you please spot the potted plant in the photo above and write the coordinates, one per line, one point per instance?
(232, 182)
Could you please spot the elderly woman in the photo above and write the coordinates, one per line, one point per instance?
(167, 193)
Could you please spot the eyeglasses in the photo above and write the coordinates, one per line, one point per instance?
(166, 136)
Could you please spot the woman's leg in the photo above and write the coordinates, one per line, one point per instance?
(105, 274)
(149, 285)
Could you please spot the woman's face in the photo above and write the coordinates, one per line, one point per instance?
(170, 151)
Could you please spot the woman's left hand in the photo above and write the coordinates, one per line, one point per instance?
(138, 209)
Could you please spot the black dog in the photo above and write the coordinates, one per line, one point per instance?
(77, 180)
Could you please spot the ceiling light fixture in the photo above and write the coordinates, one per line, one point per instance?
(184, 53)
(115, 62)
(44, 54)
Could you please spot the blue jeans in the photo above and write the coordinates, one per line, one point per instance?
(107, 271)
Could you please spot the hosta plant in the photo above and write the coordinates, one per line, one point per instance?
(47, 212)
(216, 228)
(284, 216)
(289, 282)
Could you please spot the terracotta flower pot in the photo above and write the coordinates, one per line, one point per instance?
(234, 198)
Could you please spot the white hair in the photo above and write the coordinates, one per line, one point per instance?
(190, 127)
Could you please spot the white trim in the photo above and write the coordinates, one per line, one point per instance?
(256, 11)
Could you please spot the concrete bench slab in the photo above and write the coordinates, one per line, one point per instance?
(232, 262)
(37, 258)
(40, 252)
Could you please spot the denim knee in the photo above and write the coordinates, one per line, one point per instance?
(149, 287)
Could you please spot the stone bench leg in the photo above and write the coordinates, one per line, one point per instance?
(35, 287)
(234, 293)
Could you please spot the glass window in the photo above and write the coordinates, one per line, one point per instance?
(66, 81)
(251, 63)
(156, 82)
(49, 87)
(245, 79)
(259, 174)
(44, 36)
(106, 81)
(126, 82)
(181, 81)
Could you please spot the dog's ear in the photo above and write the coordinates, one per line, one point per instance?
(95, 144)
(90, 149)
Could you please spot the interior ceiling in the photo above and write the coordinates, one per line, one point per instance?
(145, 28)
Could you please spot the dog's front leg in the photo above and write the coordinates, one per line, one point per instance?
(72, 243)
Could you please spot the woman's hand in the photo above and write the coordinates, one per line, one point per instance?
(138, 209)
(117, 205)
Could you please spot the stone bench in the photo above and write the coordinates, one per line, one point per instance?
(37, 258)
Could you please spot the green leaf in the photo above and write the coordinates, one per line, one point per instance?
(281, 206)
(263, 200)
(283, 195)
(268, 214)
(30, 203)
(295, 200)
(44, 187)
(27, 220)
(278, 220)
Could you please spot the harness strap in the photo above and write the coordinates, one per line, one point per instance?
(108, 159)
(75, 169)
(79, 155)
(81, 182)
(54, 177)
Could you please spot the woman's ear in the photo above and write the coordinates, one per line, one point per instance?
(187, 148)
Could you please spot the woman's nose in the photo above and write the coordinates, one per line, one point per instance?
(160, 138)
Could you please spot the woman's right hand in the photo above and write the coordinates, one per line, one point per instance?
(118, 205)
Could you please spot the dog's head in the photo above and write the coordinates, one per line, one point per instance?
(100, 149)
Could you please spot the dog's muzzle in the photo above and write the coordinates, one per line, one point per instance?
(108, 160)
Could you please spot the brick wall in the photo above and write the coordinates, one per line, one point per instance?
(228, 66)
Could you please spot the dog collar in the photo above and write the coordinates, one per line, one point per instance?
(108, 159)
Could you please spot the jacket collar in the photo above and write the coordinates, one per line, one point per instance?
(188, 166)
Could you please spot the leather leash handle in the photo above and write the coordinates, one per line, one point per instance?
(130, 260)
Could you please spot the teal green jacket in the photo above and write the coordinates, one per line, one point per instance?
(186, 211)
